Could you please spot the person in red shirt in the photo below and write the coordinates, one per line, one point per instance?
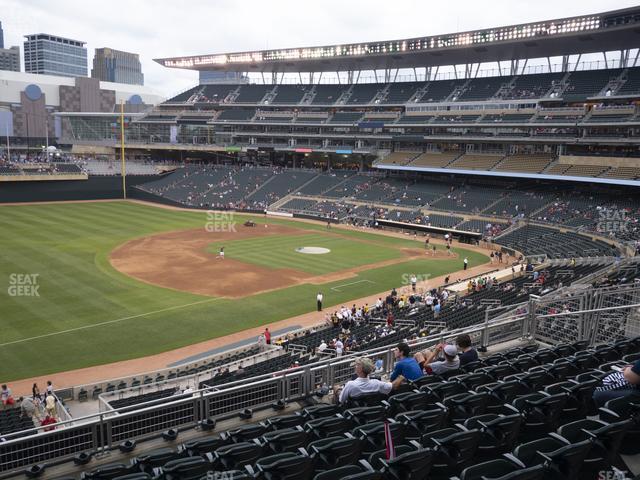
(267, 336)
(48, 423)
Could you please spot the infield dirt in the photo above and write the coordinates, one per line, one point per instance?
(180, 260)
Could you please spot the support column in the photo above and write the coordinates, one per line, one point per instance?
(274, 78)
(624, 58)
(565, 63)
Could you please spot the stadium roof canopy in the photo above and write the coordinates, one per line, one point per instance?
(600, 32)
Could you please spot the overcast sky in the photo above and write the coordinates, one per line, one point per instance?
(162, 28)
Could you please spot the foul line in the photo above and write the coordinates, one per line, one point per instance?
(337, 287)
(86, 327)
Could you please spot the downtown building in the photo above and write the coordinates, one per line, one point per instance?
(116, 66)
(46, 54)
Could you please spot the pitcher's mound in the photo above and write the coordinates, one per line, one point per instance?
(313, 250)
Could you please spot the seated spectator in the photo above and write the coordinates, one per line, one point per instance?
(406, 366)
(469, 354)
(362, 385)
(48, 423)
(27, 407)
(619, 384)
(429, 361)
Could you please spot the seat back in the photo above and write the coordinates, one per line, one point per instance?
(202, 445)
(286, 466)
(237, 455)
(413, 465)
(405, 402)
(284, 421)
(320, 411)
(502, 469)
(464, 406)
(417, 422)
(373, 436)
(366, 400)
(155, 458)
(189, 468)
(501, 434)
(456, 451)
(349, 472)
(364, 415)
(109, 471)
(335, 452)
(245, 433)
(328, 427)
(286, 440)
(567, 460)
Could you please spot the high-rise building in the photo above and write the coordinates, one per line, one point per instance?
(1, 36)
(52, 55)
(116, 66)
(10, 59)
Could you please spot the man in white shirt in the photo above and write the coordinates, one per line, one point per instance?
(322, 347)
(363, 384)
(339, 347)
(319, 299)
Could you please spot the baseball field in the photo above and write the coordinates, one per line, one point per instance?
(86, 284)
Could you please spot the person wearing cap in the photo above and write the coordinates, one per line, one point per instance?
(432, 366)
(362, 385)
(406, 366)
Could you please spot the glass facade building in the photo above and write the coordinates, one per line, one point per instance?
(51, 55)
(116, 66)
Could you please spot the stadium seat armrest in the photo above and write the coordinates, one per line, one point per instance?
(250, 470)
(588, 433)
(513, 459)
(366, 465)
(560, 438)
(416, 444)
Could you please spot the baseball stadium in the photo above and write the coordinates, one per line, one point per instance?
(406, 259)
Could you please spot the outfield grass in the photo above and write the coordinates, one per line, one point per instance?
(87, 313)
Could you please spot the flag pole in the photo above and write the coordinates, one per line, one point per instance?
(123, 170)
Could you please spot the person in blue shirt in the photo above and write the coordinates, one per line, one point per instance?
(406, 365)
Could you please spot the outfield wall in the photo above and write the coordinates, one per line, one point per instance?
(94, 188)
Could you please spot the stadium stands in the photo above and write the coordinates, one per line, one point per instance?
(536, 240)
(327, 94)
(475, 162)
(289, 94)
(363, 93)
(252, 93)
